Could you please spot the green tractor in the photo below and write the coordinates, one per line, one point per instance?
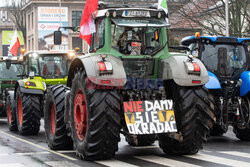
(10, 69)
(130, 83)
(42, 68)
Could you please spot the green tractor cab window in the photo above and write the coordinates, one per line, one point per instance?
(12, 72)
(48, 65)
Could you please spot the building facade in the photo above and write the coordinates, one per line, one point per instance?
(42, 19)
(6, 32)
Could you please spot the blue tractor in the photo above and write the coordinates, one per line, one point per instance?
(227, 61)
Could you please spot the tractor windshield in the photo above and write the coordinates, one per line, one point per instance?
(225, 60)
(136, 37)
(49, 66)
(12, 72)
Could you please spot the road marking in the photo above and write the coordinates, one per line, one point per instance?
(38, 146)
(165, 161)
(145, 147)
(67, 151)
(114, 162)
(236, 153)
(12, 165)
(61, 164)
(205, 151)
(218, 160)
(32, 153)
(4, 154)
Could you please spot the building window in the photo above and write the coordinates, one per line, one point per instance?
(29, 48)
(76, 18)
(32, 19)
(28, 22)
(33, 44)
(77, 43)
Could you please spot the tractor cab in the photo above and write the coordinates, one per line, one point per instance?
(135, 35)
(50, 66)
(226, 57)
(11, 70)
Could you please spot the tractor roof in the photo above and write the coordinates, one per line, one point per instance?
(43, 52)
(12, 58)
(128, 11)
(210, 39)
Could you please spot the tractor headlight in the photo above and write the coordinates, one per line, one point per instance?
(35, 55)
(30, 84)
(71, 55)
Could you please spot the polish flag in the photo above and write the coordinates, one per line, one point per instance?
(15, 44)
(87, 26)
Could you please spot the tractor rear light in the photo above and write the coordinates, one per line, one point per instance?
(196, 81)
(105, 81)
(196, 67)
(105, 67)
(192, 68)
(102, 66)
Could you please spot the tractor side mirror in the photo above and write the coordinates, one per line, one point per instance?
(8, 63)
(57, 37)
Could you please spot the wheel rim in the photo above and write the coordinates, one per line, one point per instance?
(20, 110)
(9, 114)
(80, 114)
(52, 119)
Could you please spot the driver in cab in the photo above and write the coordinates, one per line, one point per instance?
(51, 68)
(128, 34)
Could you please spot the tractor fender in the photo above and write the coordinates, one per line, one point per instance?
(173, 68)
(11, 93)
(245, 86)
(213, 82)
(89, 64)
(20, 84)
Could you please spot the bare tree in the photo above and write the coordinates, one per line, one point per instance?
(17, 15)
(210, 16)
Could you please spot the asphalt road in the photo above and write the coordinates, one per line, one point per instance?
(32, 151)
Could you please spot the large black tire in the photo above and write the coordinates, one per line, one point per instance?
(55, 128)
(94, 119)
(28, 113)
(194, 118)
(3, 108)
(244, 133)
(11, 112)
(140, 140)
(2, 111)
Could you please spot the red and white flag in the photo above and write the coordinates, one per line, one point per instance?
(15, 44)
(87, 26)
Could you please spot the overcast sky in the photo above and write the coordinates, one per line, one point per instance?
(3, 2)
